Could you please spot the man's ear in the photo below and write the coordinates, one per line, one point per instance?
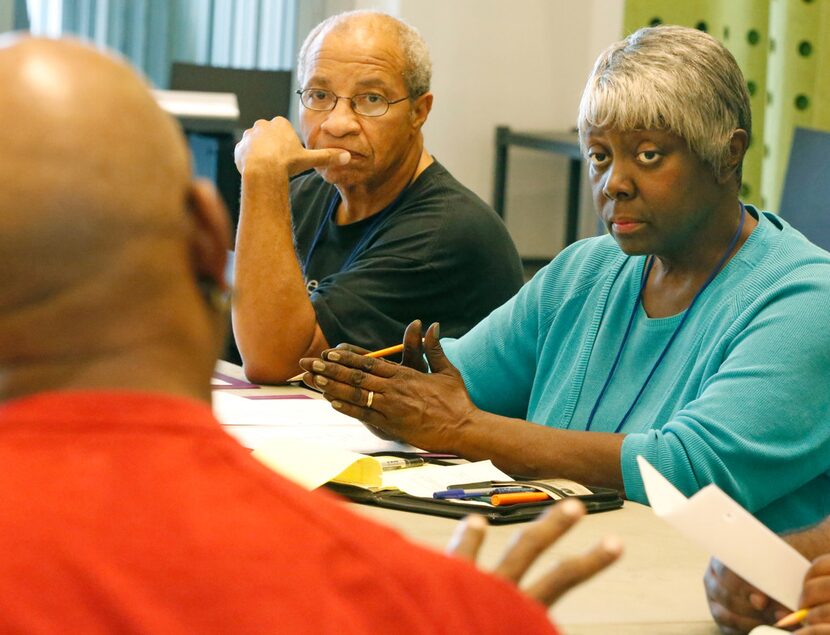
(211, 236)
(738, 144)
(420, 110)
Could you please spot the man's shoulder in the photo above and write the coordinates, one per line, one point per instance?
(439, 199)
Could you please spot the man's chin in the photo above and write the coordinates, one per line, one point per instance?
(339, 175)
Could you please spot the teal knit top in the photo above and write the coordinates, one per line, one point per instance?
(742, 398)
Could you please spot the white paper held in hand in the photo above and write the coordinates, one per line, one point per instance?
(729, 533)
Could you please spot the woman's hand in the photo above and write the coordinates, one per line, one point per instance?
(736, 605)
(816, 596)
(428, 411)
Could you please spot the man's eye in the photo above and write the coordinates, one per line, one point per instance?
(648, 157)
(373, 99)
(598, 159)
(318, 95)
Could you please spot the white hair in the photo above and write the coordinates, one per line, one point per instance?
(417, 71)
(670, 78)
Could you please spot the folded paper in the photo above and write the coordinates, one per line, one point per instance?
(731, 534)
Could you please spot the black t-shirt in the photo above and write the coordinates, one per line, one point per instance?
(439, 254)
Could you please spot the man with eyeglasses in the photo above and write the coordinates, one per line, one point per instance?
(379, 233)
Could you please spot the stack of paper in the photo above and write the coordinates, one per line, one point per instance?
(255, 423)
(309, 442)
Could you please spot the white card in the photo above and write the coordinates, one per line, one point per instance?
(731, 534)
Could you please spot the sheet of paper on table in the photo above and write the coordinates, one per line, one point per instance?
(729, 533)
(261, 422)
(313, 464)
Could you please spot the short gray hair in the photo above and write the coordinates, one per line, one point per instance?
(670, 78)
(417, 71)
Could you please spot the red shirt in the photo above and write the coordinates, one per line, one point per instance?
(127, 512)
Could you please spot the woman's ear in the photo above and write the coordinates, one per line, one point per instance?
(738, 144)
(211, 236)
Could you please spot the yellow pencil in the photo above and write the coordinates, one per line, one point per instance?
(389, 350)
(792, 619)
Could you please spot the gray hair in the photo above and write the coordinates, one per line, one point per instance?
(670, 78)
(417, 71)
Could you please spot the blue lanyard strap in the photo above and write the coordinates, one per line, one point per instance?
(654, 368)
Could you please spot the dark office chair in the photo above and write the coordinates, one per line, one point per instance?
(260, 95)
(805, 202)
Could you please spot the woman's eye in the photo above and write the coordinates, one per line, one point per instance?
(648, 156)
(598, 159)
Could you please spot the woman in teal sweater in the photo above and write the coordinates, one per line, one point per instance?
(694, 334)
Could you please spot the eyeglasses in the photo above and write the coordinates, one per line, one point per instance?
(366, 104)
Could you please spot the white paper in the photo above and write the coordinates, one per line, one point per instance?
(731, 534)
(255, 423)
(766, 630)
(426, 480)
(309, 464)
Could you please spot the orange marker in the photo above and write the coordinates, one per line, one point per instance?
(792, 619)
(523, 497)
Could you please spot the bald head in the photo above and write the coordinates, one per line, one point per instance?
(363, 24)
(96, 229)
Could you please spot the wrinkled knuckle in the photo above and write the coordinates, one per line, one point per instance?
(357, 394)
(357, 377)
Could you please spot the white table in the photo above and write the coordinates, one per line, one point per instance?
(656, 587)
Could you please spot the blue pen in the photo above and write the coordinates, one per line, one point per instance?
(481, 491)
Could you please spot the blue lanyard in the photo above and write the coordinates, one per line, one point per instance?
(654, 368)
(367, 235)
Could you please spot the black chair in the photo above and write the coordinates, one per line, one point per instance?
(805, 201)
(260, 94)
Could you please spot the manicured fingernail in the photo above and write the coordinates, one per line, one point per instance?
(336, 405)
(757, 601)
(612, 544)
(437, 330)
(344, 157)
(320, 381)
(318, 365)
(333, 356)
(570, 507)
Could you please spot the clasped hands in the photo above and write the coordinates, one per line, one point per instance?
(427, 410)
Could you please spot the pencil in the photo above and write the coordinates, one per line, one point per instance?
(389, 350)
(792, 619)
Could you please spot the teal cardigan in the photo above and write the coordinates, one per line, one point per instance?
(742, 398)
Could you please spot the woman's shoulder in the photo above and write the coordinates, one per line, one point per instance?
(576, 272)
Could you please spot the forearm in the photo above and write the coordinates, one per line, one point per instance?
(528, 449)
(273, 319)
(812, 542)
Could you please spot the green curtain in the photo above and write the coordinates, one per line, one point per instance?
(783, 48)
